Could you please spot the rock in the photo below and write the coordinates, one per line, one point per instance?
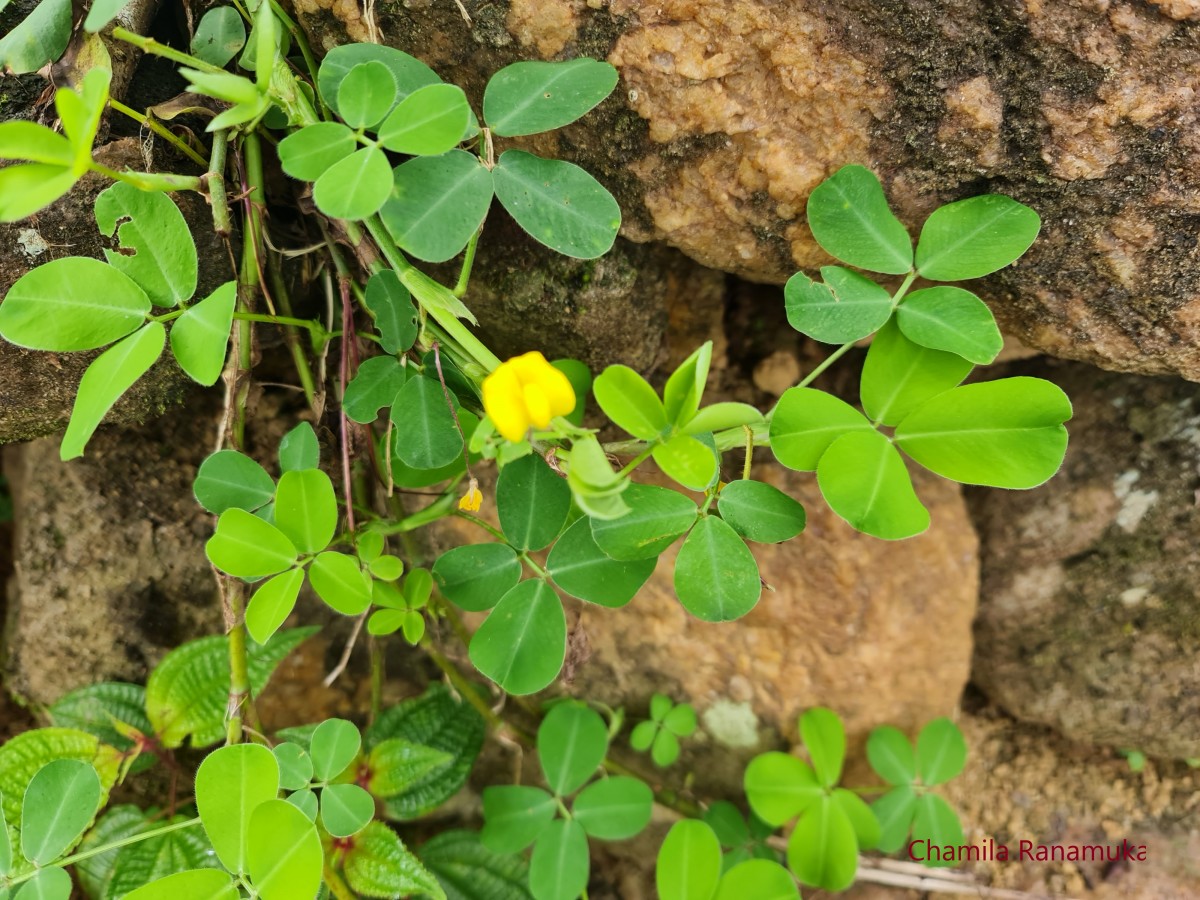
(1089, 615)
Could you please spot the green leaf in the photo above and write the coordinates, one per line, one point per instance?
(469, 871)
(532, 97)
(720, 416)
(557, 203)
(426, 436)
(389, 568)
(80, 112)
(21, 758)
(571, 743)
(428, 122)
(685, 387)
(848, 307)
(951, 319)
(95, 872)
(283, 852)
(680, 720)
(200, 337)
(36, 143)
(863, 479)
(514, 816)
(899, 375)
(850, 219)
(580, 377)
(312, 151)
(219, 36)
(299, 449)
(596, 489)
(379, 865)
(689, 862)
(47, 884)
(26, 189)
(95, 707)
(109, 376)
(1006, 433)
(643, 736)
(614, 809)
(716, 576)
(581, 568)
(656, 518)
(975, 237)
(355, 187)
(627, 398)
(247, 547)
(806, 421)
(373, 387)
(941, 752)
(476, 576)
(231, 480)
(665, 749)
(188, 691)
(101, 13)
(366, 94)
(532, 503)
(823, 736)
(688, 461)
(396, 764)
(195, 884)
(41, 37)
(60, 802)
(936, 821)
(894, 812)
(295, 766)
(559, 866)
(762, 879)
(822, 850)
(866, 826)
(158, 857)
(72, 303)
(231, 784)
(395, 316)
(408, 72)
(340, 582)
(522, 643)
(345, 809)
(335, 743)
(437, 204)
(272, 603)
(154, 244)
(760, 512)
(780, 786)
(891, 755)
(306, 801)
(306, 509)
(437, 720)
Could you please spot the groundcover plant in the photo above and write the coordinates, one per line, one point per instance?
(402, 170)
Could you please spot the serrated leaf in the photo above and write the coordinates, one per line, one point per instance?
(21, 758)
(396, 764)
(469, 871)
(200, 337)
(154, 244)
(159, 857)
(379, 865)
(94, 707)
(95, 872)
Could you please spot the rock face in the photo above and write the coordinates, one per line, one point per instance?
(728, 114)
(1089, 617)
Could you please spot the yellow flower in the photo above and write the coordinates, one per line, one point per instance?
(472, 499)
(526, 391)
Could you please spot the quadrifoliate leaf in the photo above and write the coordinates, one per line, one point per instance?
(345, 809)
(720, 416)
(531, 97)
(951, 319)
(891, 755)
(936, 821)
(366, 94)
(428, 122)
(560, 865)
(571, 743)
(825, 740)
(334, 745)
(231, 784)
(476, 576)
(687, 461)
(895, 811)
(408, 72)
(437, 204)
(899, 375)
(247, 547)
(426, 436)
(627, 398)
(532, 503)
(373, 387)
(340, 582)
(656, 517)
(200, 337)
(614, 809)
(283, 852)
(41, 37)
(60, 802)
(864, 480)
(716, 576)
(295, 766)
(395, 316)
(73, 303)
(469, 871)
(154, 245)
(941, 752)
(272, 603)
(355, 187)
(219, 36)
(689, 862)
(299, 449)
(309, 153)
(862, 820)
(557, 203)
(522, 643)
(194, 884)
(780, 786)
(763, 879)
(822, 851)
(847, 307)
(155, 858)
(306, 509)
(975, 237)
(806, 422)
(231, 480)
(47, 884)
(760, 512)
(379, 865)
(850, 219)
(1006, 433)
(109, 376)
(514, 816)
(581, 568)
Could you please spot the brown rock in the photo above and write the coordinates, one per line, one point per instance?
(1089, 618)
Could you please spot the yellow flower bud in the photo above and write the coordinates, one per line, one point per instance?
(526, 391)
(472, 499)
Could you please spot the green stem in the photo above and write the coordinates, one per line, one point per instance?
(537, 570)
(152, 181)
(475, 520)
(150, 45)
(637, 460)
(464, 275)
(749, 452)
(158, 128)
(338, 887)
(215, 180)
(299, 357)
(239, 670)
